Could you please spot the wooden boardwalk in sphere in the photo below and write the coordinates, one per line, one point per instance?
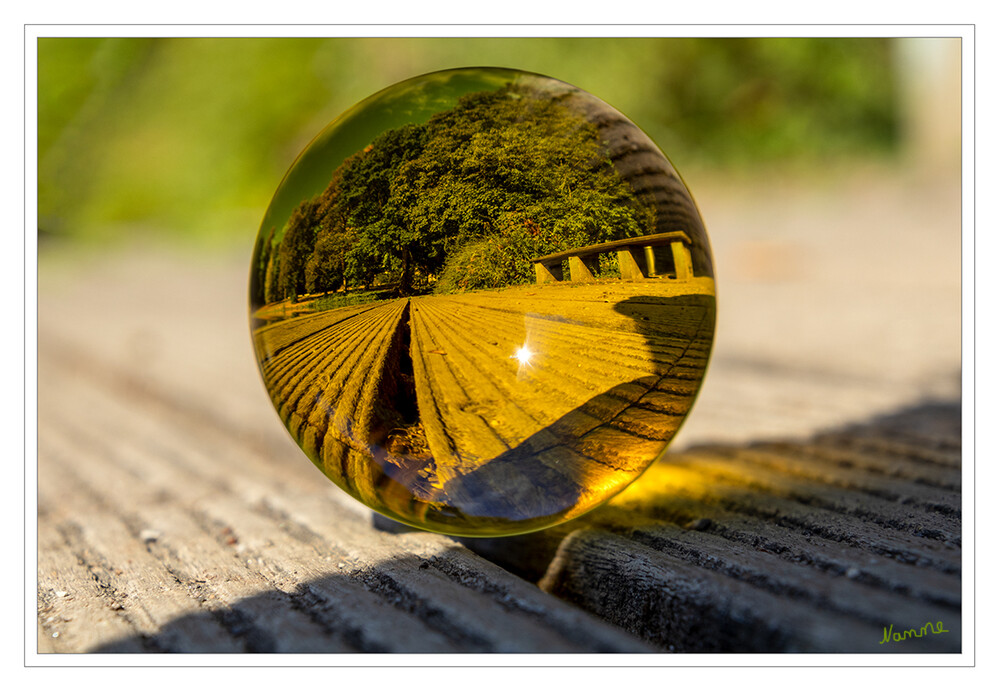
(614, 366)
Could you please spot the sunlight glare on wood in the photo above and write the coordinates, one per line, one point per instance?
(523, 355)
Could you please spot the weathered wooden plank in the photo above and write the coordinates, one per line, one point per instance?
(792, 581)
(73, 612)
(679, 478)
(944, 501)
(263, 618)
(320, 370)
(161, 610)
(915, 450)
(925, 522)
(343, 608)
(273, 560)
(422, 571)
(465, 410)
(826, 554)
(44, 643)
(818, 508)
(321, 585)
(469, 403)
(906, 468)
(166, 527)
(670, 601)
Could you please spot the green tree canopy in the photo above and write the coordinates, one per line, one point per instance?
(468, 198)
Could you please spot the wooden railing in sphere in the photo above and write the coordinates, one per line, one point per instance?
(635, 257)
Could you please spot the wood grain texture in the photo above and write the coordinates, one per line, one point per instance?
(777, 547)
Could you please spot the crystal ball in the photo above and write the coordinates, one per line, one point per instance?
(482, 301)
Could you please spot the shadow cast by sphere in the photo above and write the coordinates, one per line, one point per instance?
(385, 607)
(377, 610)
(530, 554)
(851, 502)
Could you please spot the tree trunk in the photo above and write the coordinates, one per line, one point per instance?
(406, 278)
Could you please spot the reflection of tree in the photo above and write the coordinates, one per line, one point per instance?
(470, 197)
(296, 246)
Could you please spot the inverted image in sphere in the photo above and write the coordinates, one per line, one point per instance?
(482, 301)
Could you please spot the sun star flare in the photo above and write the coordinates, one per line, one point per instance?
(523, 355)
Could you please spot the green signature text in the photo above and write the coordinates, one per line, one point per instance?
(898, 636)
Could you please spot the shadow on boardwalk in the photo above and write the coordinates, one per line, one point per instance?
(406, 604)
(801, 557)
(818, 545)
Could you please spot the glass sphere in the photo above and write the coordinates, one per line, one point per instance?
(482, 301)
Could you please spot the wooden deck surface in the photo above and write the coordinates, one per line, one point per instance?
(813, 498)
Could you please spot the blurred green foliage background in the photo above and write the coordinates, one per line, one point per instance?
(188, 138)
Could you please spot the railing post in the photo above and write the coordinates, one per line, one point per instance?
(636, 259)
(579, 271)
(681, 259)
(650, 262)
(542, 274)
(628, 264)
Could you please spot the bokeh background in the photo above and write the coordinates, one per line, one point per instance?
(188, 137)
(827, 171)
